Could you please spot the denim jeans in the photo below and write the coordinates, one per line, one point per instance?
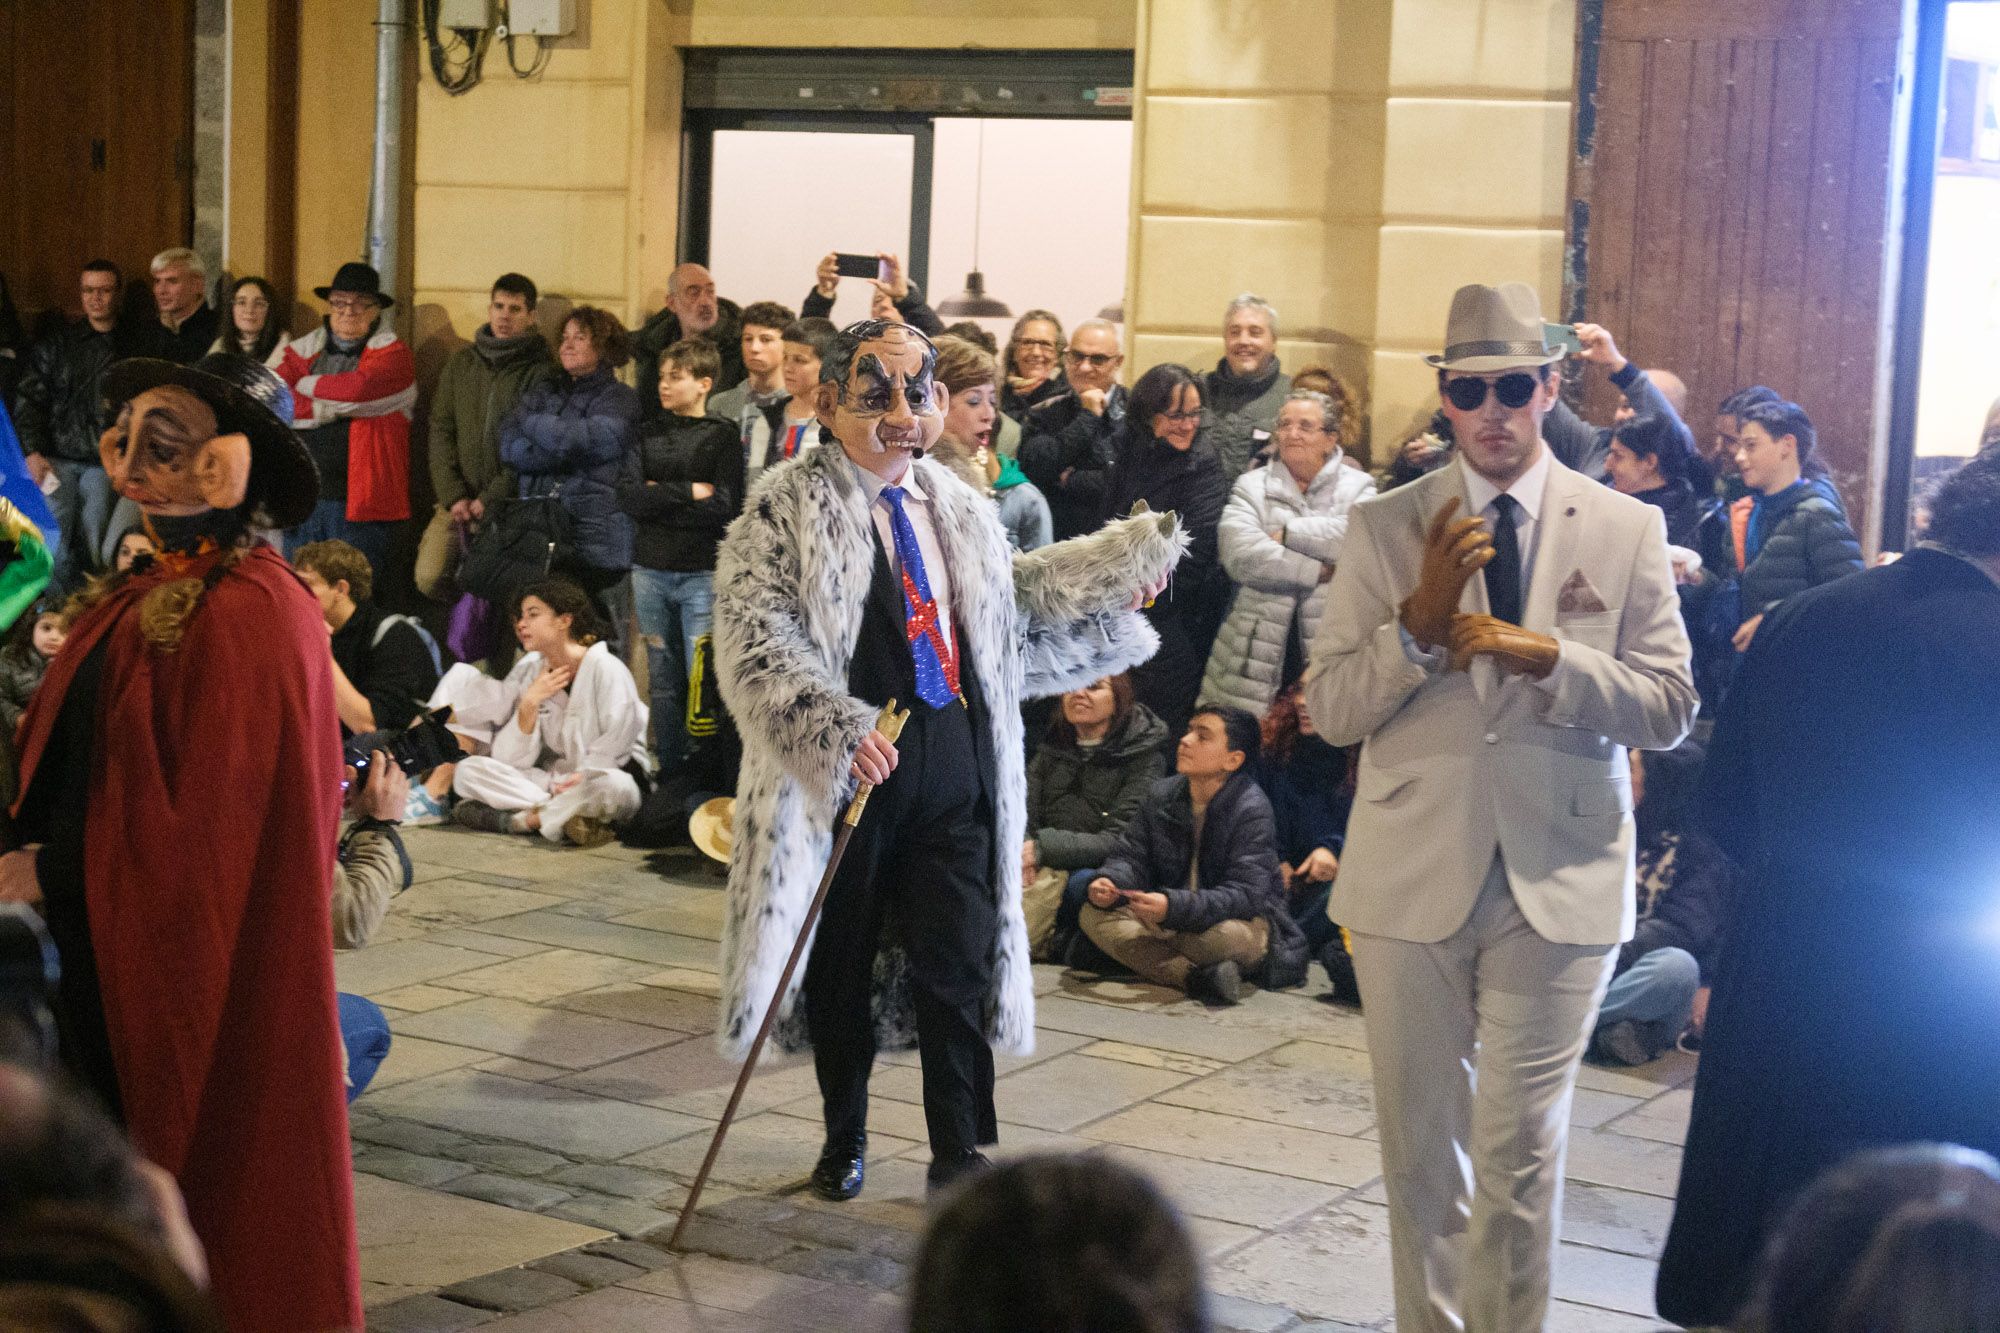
(85, 508)
(329, 522)
(675, 612)
(365, 1032)
(1656, 993)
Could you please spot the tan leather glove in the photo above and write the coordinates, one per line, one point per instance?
(1511, 647)
(1453, 553)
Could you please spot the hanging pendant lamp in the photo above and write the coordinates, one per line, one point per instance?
(973, 302)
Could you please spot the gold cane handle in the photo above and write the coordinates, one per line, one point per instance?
(890, 724)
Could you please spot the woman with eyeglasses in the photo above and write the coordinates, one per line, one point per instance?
(1159, 462)
(253, 328)
(1033, 363)
(1279, 538)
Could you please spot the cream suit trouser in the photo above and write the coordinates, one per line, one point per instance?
(1474, 1043)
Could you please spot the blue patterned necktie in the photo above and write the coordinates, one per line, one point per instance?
(937, 670)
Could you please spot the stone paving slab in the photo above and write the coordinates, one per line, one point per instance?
(442, 904)
(415, 1240)
(765, 1152)
(636, 1001)
(1304, 1084)
(1258, 1145)
(536, 1114)
(548, 975)
(385, 967)
(688, 1075)
(553, 1012)
(542, 1033)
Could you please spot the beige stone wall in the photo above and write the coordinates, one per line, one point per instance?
(545, 176)
(1476, 171)
(1353, 161)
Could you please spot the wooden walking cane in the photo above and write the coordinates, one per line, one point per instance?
(890, 724)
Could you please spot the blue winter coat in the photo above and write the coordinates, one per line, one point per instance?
(577, 439)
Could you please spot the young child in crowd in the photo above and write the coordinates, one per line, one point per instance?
(36, 638)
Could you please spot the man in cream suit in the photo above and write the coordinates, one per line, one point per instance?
(1487, 880)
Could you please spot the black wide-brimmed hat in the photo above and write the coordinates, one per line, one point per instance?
(357, 279)
(248, 399)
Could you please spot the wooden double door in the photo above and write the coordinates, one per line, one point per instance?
(1732, 200)
(97, 145)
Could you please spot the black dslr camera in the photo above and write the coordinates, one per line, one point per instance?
(415, 750)
(29, 974)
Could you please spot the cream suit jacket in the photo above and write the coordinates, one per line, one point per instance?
(1457, 765)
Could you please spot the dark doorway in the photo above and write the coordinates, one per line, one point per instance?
(98, 104)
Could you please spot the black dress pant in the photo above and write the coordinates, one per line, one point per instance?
(922, 858)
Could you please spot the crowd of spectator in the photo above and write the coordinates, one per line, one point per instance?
(1185, 820)
(548, 467)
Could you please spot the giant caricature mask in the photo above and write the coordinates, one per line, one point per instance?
(164, 454)
(890, 410)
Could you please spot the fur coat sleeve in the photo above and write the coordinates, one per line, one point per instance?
(787, 692)
(1073, 601)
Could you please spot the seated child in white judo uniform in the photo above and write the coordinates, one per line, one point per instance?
(567, 721)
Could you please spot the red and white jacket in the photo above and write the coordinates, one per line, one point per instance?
(377, 398)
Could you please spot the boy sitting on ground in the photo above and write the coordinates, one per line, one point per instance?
(1191, 896)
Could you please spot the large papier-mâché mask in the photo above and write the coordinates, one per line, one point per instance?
(164, 453)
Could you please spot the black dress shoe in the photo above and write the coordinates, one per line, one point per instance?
(955, 1166)
(839, 1172)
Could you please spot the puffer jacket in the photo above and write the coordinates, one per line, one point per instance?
(1279, 580)
(577, 440)
(1080, 798)
(21, 671)
(478, 388)
(1236, 868)
(1238, 414)
(1806, 543)
(59, 407)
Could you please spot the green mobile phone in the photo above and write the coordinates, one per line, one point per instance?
(1563, 336)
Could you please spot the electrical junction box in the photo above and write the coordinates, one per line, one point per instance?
(541, 18)
(465, 14)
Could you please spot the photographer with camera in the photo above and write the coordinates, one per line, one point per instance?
(372, 868)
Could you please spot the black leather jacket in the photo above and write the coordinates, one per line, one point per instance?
(59, 413)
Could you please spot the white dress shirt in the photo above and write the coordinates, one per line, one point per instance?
(1527, 490)
(917, 505)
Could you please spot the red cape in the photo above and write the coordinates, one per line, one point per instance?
(214, 808)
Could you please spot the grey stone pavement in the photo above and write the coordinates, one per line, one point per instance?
(553, 1086)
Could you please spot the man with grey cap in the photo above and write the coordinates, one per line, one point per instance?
(1497, 633)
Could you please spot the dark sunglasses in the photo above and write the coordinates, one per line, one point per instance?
(1468, 394)
(1092, 359)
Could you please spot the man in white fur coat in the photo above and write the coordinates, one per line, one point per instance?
(861, 571)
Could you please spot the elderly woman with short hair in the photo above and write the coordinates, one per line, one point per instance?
(1280, 535)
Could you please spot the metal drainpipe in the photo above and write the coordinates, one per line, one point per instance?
(385, 189)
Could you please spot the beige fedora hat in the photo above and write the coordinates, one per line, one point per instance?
(711, 828)
(1495, 328)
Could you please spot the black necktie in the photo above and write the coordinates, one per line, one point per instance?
(1503, 571)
